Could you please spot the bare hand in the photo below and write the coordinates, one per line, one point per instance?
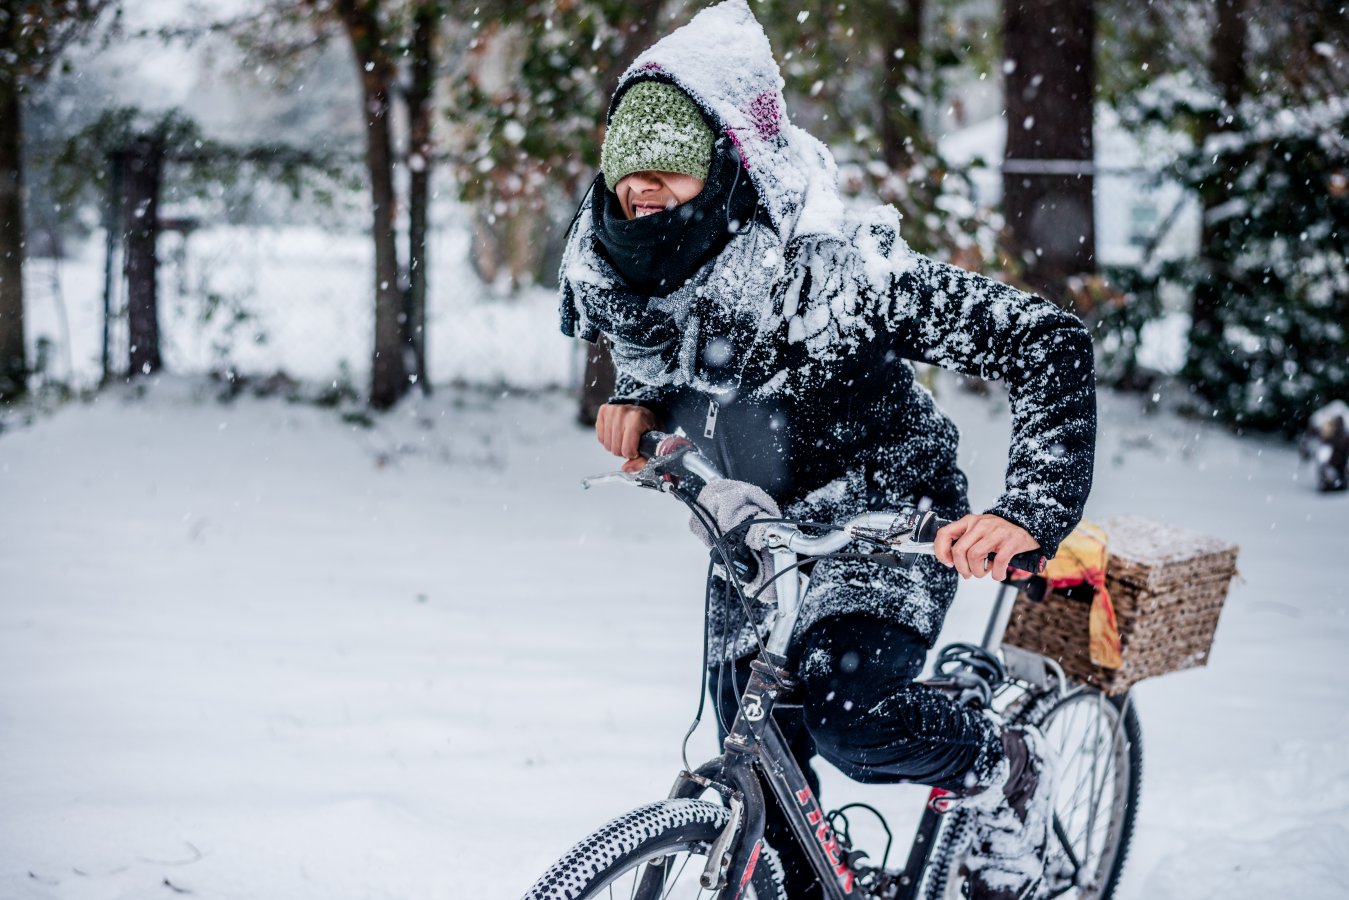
(967, 542)
(620, 426)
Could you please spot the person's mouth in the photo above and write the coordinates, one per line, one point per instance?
(646, 209)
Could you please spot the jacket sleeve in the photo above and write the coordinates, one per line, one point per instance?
(630, 391)
(946, 316)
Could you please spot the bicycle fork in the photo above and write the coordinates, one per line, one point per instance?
(754, 746)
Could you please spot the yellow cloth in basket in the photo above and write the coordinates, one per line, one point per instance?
(1082, 558)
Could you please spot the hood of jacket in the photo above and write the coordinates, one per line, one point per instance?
(722, 59)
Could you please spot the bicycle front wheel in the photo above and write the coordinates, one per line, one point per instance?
(655, 851)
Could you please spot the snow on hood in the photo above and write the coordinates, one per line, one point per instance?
(722, 60)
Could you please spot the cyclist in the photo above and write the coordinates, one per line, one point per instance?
(748, 307)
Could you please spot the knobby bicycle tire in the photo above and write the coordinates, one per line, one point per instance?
(1126, 755)
(667, 829)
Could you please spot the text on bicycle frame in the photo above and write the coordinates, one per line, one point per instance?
(824, 836)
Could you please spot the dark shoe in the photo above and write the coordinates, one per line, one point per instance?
(1012, 821)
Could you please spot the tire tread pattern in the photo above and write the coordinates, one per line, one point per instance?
(662, 822)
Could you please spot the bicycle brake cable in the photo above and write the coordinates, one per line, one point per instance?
(722, 548)
(702, 681)
(705, 519)
(720, 545)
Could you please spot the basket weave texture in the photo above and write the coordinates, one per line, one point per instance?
(1168, 586)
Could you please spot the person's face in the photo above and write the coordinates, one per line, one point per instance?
(643, 193)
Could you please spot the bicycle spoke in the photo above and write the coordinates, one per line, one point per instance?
(675, 879)
(1081, 782)
(1067, 730)
(1095, 828)
(1088, 731)
(1112, 772)
(1097, 791)
(1061, 891)
(1067, 845)
(1073, 800)
(1095, 758)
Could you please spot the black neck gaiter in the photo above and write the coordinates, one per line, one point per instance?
(659, 252)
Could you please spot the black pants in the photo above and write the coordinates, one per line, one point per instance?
(862, 711)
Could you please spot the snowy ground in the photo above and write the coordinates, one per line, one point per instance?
(252, 650)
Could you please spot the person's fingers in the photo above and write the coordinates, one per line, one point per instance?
(634, 465)
(1020, 542)
(618, 435)
(974, 546)
(631, 435)
(978, 552)
(998, 569)
(619, 428)
(613, 435)
(946, 536)
(968, 543)
(960, 549)
(602, 426)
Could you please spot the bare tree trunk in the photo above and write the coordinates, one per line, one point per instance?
(388, 377)
(1227, 66)
(426, 20)
(13, 356)
(640, 26)
(140, 222)
(900, 124)
(1047, 175)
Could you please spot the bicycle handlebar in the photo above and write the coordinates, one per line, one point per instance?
(654, 444)
(924, 528)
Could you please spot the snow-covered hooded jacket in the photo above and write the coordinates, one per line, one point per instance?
(788, 355)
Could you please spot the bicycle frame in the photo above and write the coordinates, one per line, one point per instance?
(755, 751)
(755, 747)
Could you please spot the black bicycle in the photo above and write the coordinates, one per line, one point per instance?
(689, 847)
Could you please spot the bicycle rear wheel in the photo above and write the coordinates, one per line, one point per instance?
(1099, 751)
(655, 851)
(1100, 774)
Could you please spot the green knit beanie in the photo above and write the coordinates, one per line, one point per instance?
(656, 128)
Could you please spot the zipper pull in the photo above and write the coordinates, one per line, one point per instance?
(710, 428)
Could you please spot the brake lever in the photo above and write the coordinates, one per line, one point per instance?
(909, 545)
(611, 478)
(887, 537)
(652, 475)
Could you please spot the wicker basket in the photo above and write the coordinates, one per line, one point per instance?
(1168, 588)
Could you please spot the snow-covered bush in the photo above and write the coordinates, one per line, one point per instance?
(1276, 257)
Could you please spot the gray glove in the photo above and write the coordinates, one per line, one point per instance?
(730, 503)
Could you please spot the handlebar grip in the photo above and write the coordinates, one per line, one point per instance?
(649, 444)
(1032, 561)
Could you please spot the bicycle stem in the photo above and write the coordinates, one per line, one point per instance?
(787, 544)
